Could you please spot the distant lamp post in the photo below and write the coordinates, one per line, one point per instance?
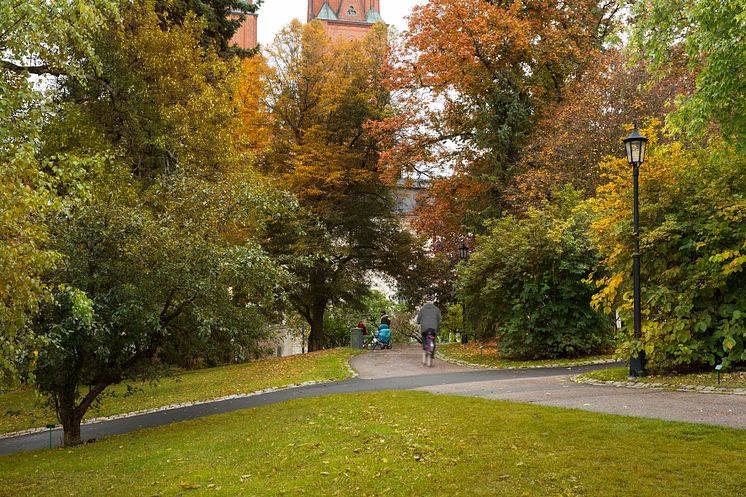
(463, 251)
(463, 254)
(636, 146)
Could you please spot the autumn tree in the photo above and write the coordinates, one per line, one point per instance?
(320, 99)
(470, 79)
(573, 136)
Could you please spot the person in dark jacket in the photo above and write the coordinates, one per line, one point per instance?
(385, 318)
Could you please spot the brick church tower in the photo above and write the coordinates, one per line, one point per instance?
(245, 35)
(345, 18)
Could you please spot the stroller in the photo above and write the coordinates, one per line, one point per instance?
(382, 338)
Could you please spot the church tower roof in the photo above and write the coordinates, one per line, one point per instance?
(373, 16)
(345, 18)
(326, 13)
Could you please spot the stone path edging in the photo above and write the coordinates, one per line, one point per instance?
(459, 362)
(171, 406)
(353, 374)
(659, 386)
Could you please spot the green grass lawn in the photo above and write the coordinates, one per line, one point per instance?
(734, 379)
(490, 356)
(20, 410)
(400, 443)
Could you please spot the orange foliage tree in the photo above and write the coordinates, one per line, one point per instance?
(469, 79)
(573, 136)
(317, 100)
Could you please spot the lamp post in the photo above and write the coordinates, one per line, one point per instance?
(463, 254)
(636, 145)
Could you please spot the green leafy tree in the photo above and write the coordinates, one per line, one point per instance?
(138, 282)
(526, 284)
(693, 244)
(705, 35)
(161, 260)
(36, 38)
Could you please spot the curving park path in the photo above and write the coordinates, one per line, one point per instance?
(401, 369)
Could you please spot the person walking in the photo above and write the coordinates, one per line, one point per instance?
(428, 318)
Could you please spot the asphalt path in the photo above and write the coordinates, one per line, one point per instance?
(401, 369)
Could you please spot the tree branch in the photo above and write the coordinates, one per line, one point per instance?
(41, 70)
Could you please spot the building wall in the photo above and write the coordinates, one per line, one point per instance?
(346, 30)
(246, 35)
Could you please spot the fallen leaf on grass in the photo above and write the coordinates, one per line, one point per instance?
(190, 486)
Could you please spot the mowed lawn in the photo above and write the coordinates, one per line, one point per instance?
(395, 443)
(20, 410)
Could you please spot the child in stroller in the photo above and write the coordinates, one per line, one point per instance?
(382, 338)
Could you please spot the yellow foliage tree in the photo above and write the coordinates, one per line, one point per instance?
(693, 244)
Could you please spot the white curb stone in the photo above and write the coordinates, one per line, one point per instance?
(184, 404)
(660, 386)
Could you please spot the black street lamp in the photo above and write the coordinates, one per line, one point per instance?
(636, 146)
(463, 254)
(463, 251)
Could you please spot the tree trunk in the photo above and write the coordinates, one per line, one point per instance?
(316, 338)
(71, 415)
(70, 419)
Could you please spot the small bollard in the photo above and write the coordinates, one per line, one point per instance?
(481, 352)
(718, 368)
(50, 427)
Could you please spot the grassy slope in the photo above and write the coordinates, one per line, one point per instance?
(22, 409)
(728, 379)
(377, 444)
(489, 356)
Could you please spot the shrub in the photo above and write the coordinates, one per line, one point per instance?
(526, 284)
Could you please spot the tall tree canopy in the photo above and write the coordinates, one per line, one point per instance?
(320, 98)
(160, 255)
(36, 38)
(470, 78)
(709, 35)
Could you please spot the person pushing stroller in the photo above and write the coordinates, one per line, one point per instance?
(384, 335)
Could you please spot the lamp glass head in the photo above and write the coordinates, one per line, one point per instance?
(636, 146)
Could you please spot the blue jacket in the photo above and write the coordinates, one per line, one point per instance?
(384, 332)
